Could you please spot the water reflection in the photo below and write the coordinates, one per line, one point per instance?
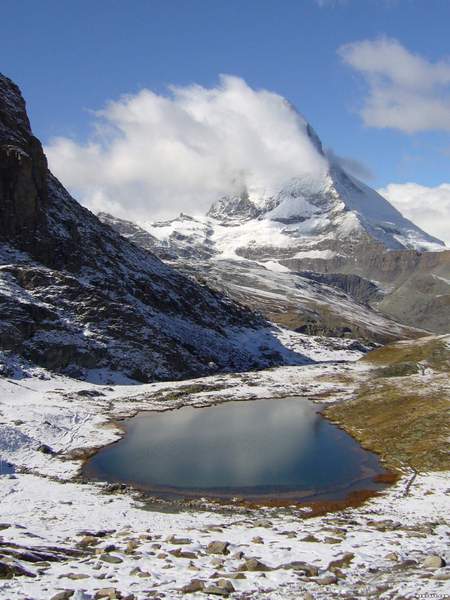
(255, 446)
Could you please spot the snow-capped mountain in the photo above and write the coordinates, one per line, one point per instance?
(77, 297)
(338, 228)
(307, 302)
(343, 212)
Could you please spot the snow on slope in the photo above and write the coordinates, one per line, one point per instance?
(381, 219)
(76, 297)
(300, 213)
(46, 510)
(262, 283)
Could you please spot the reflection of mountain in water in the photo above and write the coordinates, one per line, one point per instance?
(280, 444)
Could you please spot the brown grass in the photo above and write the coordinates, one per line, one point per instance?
(402, 416)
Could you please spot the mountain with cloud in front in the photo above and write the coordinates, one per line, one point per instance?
(320, 228)
(78, 298)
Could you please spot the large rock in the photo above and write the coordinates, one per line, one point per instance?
(434, 562)
(218, 547)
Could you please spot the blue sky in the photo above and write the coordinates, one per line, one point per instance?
(72, 57)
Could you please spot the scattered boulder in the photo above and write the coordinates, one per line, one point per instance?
(392, 556)
(217, 562)
(384, 524)
(64, 595)
(326, 580)
(310, 538)
(218, 547)
(196, 585)
(90, 393)
(10, 569)
(179, 553)
(225, 584)
(409, 563)
(298, 565)
(46, 449)
(237, 575)
(76, 576)
(262, 523)
(111, 558)
(332, 540)
(87, 540)
(132, 546)
(434, 562)
(173, 539)
(222, 587)
(98, 534)
(109, 593)
(253, 564)
(342, 562)
(258, 540)
(137, 571)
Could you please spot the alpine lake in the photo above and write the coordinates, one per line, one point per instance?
(255, 450)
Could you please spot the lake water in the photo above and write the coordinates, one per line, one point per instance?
(248, 449)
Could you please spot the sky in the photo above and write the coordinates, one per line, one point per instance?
(135, 102)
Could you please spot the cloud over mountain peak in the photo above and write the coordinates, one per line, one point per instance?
(157, 155)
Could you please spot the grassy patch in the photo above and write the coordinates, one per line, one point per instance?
(432, 352)
(401, 415)
(402, 369)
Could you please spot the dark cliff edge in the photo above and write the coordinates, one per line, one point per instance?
(78, 298)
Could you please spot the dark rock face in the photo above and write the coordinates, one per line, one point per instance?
(23, 169)
(415, 285)
(355, 286)
(75, 296)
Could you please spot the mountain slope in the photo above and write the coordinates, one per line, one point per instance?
(76, 296)
(312, 304)
(337, 233)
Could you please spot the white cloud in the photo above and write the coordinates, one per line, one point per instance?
(156, 155)
(405, 91)
(428, 207)
(353, 166)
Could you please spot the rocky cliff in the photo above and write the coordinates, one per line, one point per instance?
(77, 297)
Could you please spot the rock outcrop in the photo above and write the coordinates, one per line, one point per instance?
(75, 296)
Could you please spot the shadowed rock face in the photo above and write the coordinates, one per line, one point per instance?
(75, 296)
(415, 285)
(23, 170)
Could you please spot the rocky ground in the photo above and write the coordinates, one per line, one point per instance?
(64, 538)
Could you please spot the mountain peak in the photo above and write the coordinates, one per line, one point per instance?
(342, 207)
(234, 208)
(14, 122)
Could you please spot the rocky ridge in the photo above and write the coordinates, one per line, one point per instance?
(76, 297)
(305, 301)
